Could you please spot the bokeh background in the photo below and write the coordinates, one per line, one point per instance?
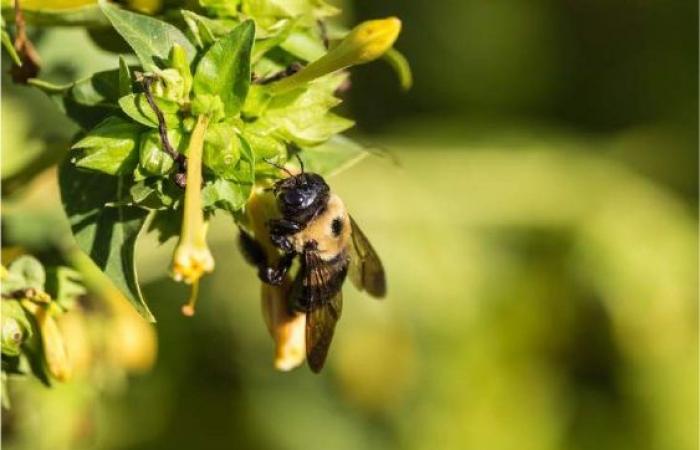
(537, 218)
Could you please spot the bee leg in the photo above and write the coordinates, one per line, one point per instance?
(279, 230)
(252, 250)
(283, 226)
(275, 275)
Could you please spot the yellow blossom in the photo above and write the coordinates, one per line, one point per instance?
(192, 258)
(286, 327)
(366, 42)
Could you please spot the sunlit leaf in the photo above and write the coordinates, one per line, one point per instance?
(151, 39)
(224, 70)
(111, 147)
(136, 106)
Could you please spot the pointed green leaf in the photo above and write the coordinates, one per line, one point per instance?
(111, 147)
(124, 77)
(151, 39)
(107, 234)
(225, 68)
(334, 156)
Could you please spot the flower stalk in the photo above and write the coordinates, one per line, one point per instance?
(192, 258)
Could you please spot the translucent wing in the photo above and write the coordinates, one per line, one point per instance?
(366, 270)
(317, 291)
(320, 326)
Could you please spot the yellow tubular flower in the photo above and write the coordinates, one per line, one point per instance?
(366, 42)
(192, 257)
(55, 353)
(286, 328)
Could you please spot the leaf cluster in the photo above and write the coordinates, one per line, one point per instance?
(220, 59)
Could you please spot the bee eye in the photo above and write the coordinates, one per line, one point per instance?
(293, 197)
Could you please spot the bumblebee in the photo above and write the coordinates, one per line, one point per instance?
(316, 229)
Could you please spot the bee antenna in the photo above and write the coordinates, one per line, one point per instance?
(280, 167)
(301, 163)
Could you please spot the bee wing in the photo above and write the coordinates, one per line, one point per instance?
(366, 269)
(320, 326)
(317, 290)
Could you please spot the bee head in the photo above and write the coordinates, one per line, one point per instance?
(300, 197)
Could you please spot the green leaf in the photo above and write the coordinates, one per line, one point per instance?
(88, 101)
(110, 147)
(302, 44)
(124, 77)
(136, 106)
(65, 286)
(225, 194)
(224, 70)
(87, 16)
(151, 39)
(302, 115)
(167, 223)
(262, 139)
(150, 194)
(262, 46)
(107, 234)
(199, 28)
(102, 88)
(337, 154)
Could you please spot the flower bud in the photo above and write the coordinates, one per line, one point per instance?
(170, 85)
(15, 327)
(208, 105)
(152, 158)
(55, 354)
(178, 61)
(366, 42)
(222, 149)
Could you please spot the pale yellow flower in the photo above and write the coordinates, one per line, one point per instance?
(192, 258)
(286, 327)
(366, 42)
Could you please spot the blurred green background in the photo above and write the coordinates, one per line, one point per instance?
(539, 229)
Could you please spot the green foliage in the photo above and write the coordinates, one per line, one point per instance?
(136, 106)
(224, 70)
(106, 233)
(111, 147)
(151, 39)
(121, 167)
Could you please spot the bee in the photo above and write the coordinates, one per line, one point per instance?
(316, 229)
